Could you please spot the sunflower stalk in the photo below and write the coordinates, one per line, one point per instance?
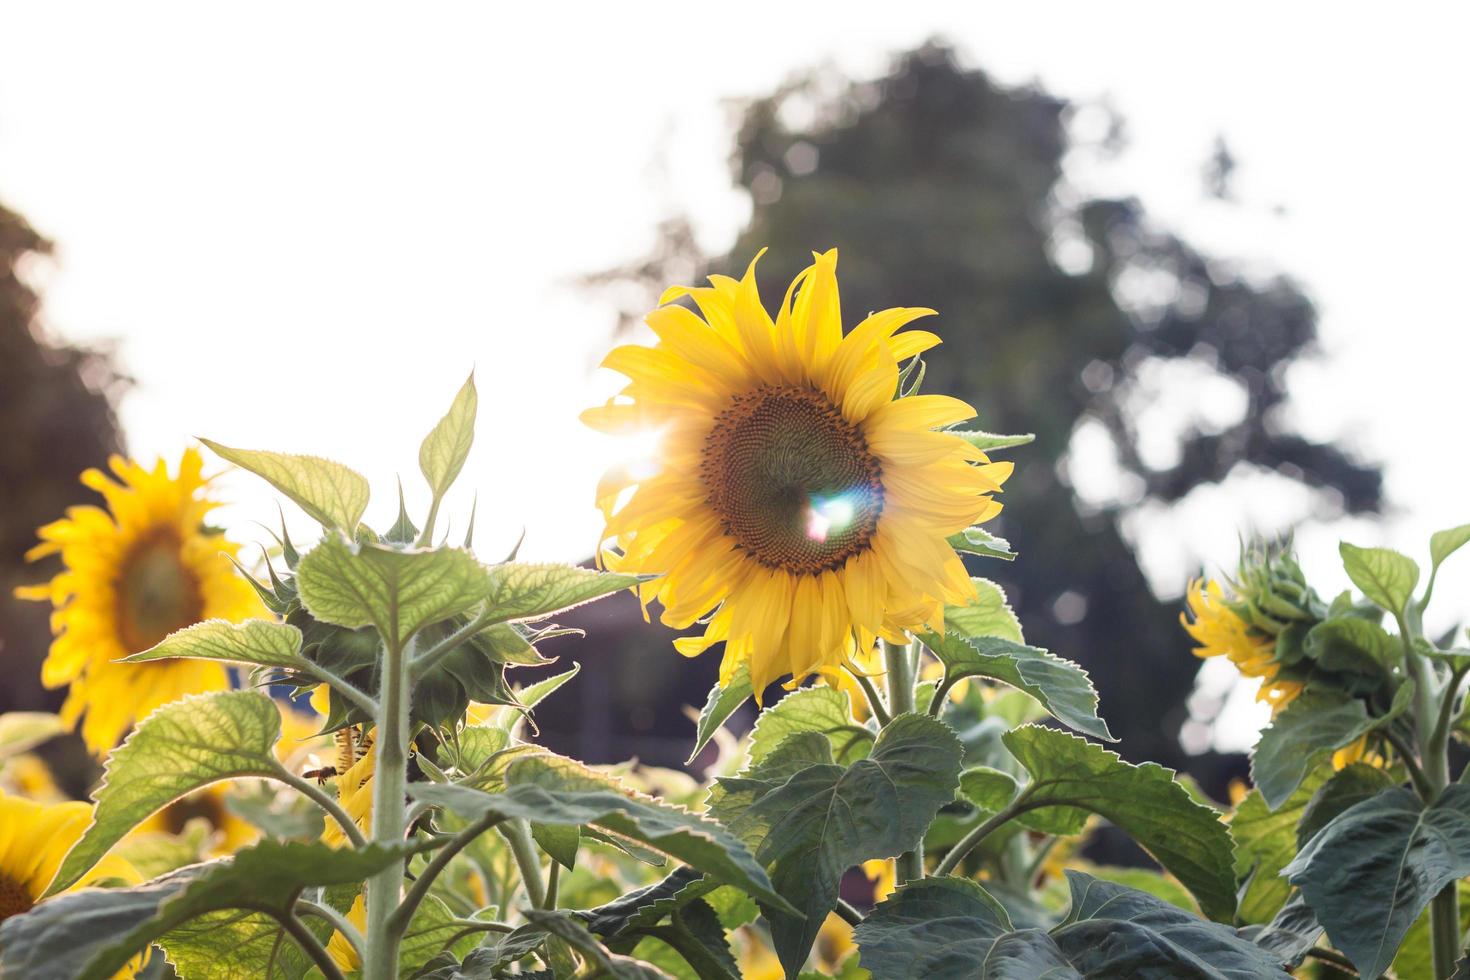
(899, 661)
(390, 780)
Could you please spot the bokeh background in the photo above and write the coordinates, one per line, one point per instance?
(1211, 256)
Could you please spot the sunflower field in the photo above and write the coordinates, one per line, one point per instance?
(324, 765)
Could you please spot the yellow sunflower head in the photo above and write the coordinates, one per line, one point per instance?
(134, 572)
(1220, 630)
(34, 837)
(795, 506)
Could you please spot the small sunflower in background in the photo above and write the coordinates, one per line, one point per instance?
(1221, 631)
(34, 838)
(145, 566)
(795, 504)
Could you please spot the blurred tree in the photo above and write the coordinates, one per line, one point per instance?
(56, 419)
(1075, 319)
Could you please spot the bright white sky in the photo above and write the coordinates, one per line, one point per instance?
(303, 224)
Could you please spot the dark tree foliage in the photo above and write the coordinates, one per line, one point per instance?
(56, 419)
(944, 189)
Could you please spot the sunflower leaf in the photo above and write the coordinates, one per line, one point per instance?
(255, 641)
(332, 494)
(91, 934)
(1265, 842)
(21, 731)
(397, 592)
(444, 450)
(1442, 544)
(941, 928)
(978, 541)
(1371, 871)
(562, 926)
(519, 592)
(1145, 802)
(552, 790)
(988, 441)
(823, 710)
(1386, 577)
(1307, 731)
(719, 706)
(825, 819)
(177, 749)
(1058, 685)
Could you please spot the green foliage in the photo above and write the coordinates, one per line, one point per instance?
(444, 450)
(826, 818)
(1265, 842)
(1144, 801)
(1374, 868)
(329, 492)
(91, 934)
(558, 791)
(177, 749)
(394, 591)
(823, 710)
(255, 641)
(21, 731)
(1386, 577)
(1308, 731)
(520, 592)
(723, 701)
(950, 928)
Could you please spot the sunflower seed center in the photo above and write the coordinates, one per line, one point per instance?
(156, 592)
(14, 899)
(793, 482)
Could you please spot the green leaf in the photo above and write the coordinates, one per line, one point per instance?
(1385, 577)
(1144, 801)
(939, 928)
(432, 929)
(231, 943)
(91, 934)
(177, 749)
(329, 492)
(552, 790)
(719, 706)
(1307, 731)
(987, 441)
(1265, 842)
(649, 905)
(1353, 645)
(603, 962)
(978, 541)
(519, 592)
(558, 841)
(1115, 931)
(1291, 934)
(1370, 872)
(1442, 544)
(1415, 958)
(1059, 686)
(255, 641)
(396, 592)
(21, 731)
(988, 615)
(989, 789)
(824, 710)
(444, 450)
(825, 819)
(1345, 790)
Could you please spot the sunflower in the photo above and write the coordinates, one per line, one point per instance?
(228, 832)
(339, 947)
(34, 837)
(795, 506)
(134, 573)
(1220, 631)
(357, 760)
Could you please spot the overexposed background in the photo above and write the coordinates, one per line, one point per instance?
(303, 225)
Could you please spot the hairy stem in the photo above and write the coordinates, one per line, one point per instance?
(900, 664)
(404, 913)
(390, 777)
(875, 700)
(517, 834)
(339, 921)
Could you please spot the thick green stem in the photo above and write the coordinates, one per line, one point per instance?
(390, 777)
(517, 834)
(900, 665)
(1444, 921)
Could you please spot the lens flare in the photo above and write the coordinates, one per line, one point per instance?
(827, 514)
